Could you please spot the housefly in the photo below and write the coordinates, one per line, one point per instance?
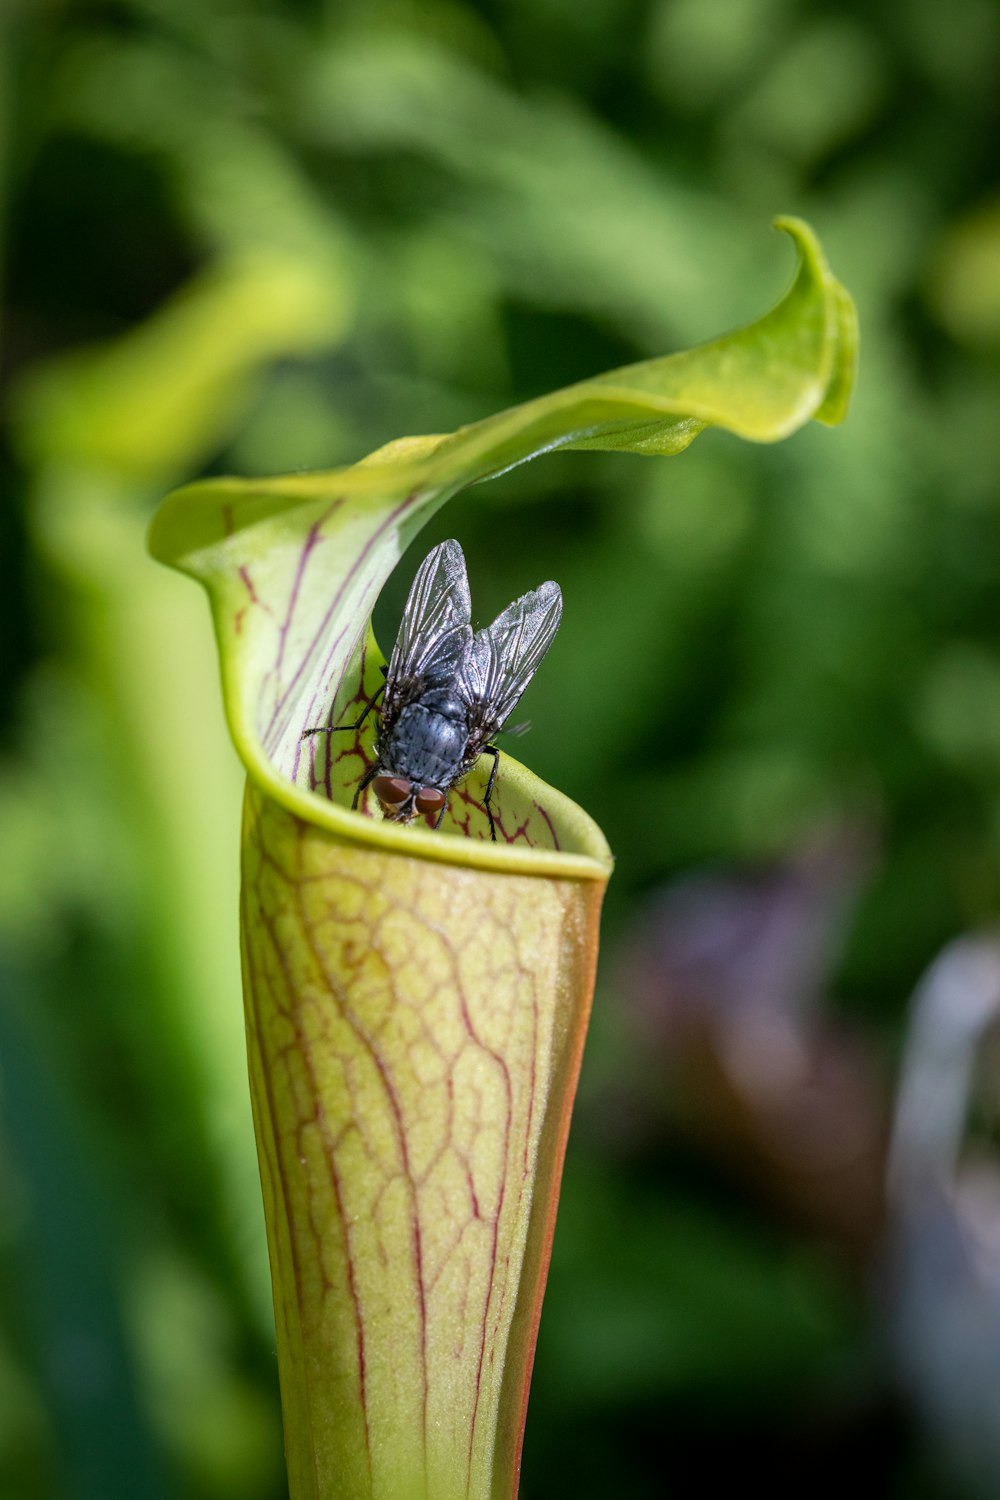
(449, 690)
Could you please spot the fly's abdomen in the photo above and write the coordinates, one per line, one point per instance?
(428, 741)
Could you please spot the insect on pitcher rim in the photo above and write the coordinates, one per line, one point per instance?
(447, 693)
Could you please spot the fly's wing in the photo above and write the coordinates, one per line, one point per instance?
(435, 633)
(505, 657)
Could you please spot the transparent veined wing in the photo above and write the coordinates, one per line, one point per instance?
(505, 656)
(435, 633)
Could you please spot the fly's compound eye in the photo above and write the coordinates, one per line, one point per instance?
(392, 790)
(430, 800)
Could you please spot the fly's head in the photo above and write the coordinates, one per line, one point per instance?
(402, 800)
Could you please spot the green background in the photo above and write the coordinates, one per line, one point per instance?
(253, 238)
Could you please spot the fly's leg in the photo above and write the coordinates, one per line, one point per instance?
(338, 728)
(491, 750)
(440, 816)
(369, 775)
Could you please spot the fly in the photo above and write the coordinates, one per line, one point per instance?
(447, 690)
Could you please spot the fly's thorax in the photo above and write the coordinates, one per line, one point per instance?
(427, 742)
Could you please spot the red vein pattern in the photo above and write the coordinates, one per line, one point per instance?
(414, 1031)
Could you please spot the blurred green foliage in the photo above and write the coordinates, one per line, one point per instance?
(253, 237)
